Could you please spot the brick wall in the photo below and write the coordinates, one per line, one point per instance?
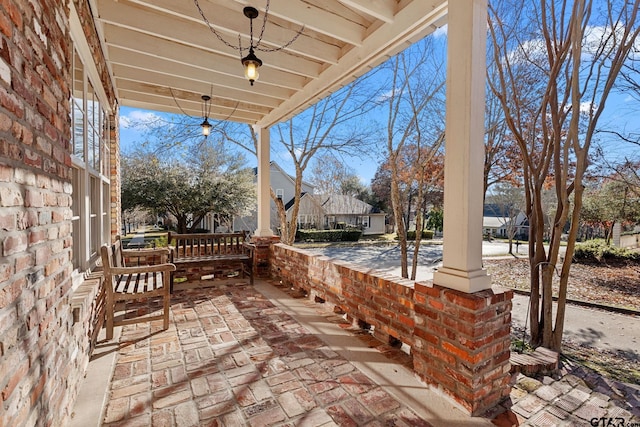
(459, 342)
(43, 354)
(116, 179)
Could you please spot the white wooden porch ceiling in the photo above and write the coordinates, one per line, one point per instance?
(159, 50)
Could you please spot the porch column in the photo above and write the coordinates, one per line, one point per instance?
(264, 185)
(464, 148)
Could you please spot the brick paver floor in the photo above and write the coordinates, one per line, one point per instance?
(232, 358)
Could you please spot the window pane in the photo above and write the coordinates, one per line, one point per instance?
(78, 131)
(76, 230)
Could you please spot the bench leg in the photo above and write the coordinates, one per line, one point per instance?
(167, 283)
(109, 311)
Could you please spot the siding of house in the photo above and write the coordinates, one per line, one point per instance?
(376, 224)
(44, 353)
(279, 180)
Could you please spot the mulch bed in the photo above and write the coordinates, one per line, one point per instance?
(615, 285)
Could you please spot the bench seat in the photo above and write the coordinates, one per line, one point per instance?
(221, 254)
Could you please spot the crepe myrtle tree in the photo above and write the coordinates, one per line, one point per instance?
(556, 64)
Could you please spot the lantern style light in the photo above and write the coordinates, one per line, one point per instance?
(206, 107)
(251, 62)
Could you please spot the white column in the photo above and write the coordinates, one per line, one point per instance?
(264, 183)
(464, 148)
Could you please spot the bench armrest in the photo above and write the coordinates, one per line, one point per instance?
(249, 246)
(144, 269)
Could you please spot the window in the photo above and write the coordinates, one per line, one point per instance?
(364, 221)
(330, 221)
(77, 107)
(76, 208)
(91, 197)
(280, 193)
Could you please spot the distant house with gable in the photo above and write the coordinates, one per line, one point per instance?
(499, 220)
(283, 185)
(341, 210)
(316, 211)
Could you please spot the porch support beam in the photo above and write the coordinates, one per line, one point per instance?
(464, 156)
(264, 184)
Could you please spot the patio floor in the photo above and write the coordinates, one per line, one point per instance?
(241, 355)
(237, 355)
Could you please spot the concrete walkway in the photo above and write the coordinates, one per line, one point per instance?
(137, 241)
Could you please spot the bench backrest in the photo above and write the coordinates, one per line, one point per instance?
(206, 244)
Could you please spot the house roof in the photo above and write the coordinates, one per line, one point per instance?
(496, 210)
(163, 56)
(338, 204)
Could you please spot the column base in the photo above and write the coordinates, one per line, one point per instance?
(464, 281)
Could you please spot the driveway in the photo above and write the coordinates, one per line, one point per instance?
(595, 328)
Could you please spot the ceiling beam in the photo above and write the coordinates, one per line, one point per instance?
(117, 35)
(123, 72)
(318, 19)
(383, 10)
(139, 96)
(126, 61)
(172, 51)
(138, 17)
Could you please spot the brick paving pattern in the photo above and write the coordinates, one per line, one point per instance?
(579, 397)
(231, 358)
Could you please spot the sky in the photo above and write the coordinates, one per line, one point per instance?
(621, 113)
(132, 137)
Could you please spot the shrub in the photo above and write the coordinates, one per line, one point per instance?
(351, 235)
(160, 242)
(328, 235)
(426, 234)
(598, 250)
(199, 230)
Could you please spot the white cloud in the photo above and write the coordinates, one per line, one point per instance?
(441, 31)
(139, 119)
(587, 107)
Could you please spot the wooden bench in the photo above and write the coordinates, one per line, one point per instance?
(124, 284)
(225, 255)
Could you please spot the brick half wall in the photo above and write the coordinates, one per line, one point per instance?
(459, 342)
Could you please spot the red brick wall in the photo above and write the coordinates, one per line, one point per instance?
(43, 355)
(459, 342)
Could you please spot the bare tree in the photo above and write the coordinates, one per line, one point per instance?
(328, 174)
(331, 125)
(414, 117)
(557, 62)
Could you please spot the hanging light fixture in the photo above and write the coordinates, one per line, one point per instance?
(251, 62)
(206, 107)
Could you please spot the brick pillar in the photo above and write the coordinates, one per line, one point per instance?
(462, 344)
(261, 254)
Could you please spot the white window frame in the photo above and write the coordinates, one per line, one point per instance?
(90, 157)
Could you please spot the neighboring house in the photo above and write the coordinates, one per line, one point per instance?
(340, 209)
(502, 220)
(319, 212)
(283, 185)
